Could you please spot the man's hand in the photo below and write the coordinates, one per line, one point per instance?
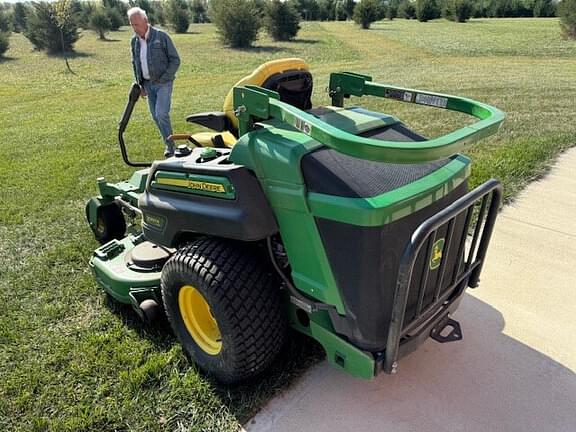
(143, 92)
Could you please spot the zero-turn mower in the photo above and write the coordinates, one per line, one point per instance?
(339, 222)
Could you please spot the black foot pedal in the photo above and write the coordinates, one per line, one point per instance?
(454, 335)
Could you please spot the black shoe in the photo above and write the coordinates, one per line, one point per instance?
(168, 153)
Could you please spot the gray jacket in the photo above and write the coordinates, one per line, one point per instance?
(163, 59)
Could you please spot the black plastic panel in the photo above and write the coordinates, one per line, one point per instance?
(248, 217)
(365, 263)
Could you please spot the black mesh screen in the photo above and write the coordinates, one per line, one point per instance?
(330, 172)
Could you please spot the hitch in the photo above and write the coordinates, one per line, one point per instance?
(454, 335)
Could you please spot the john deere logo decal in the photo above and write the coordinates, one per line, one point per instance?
(436, 257)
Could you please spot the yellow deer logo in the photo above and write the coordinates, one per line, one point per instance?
(436, 257)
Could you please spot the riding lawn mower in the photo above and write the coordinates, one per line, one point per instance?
(339, 222)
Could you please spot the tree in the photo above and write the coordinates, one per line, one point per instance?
(148, 7)
(427, 10)
(4, 43)
(457, 10)
(177, 15)
(116, 18)
(51, 28)
(5, 22)
(392, 9)
(82, 12)
(340, 11)
(238, 21)
(544, 8)
(19, 17)
(326, 10)
(407, 10)
(309, 9)
(567, 14)
(281, 20)
(349, 7)
(199, 10)
(366, 12)
(100, 23)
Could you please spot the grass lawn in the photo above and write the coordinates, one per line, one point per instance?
(70, 360)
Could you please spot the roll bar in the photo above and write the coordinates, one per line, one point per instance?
(252, 104)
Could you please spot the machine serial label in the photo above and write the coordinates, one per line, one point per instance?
(431, 100)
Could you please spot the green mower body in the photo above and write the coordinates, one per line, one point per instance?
(368, 227)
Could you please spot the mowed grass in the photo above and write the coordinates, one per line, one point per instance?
(70, 360)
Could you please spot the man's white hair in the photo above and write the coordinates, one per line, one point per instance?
(137, 11)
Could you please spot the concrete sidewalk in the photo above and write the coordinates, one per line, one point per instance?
(514, 370)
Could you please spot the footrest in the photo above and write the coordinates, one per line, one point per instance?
(454, 335)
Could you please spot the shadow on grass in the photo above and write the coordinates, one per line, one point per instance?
(264, 49)
(305, 41)
(243, 400)
(71, 55)
(109, 40)
(158, 332)
(7, 59)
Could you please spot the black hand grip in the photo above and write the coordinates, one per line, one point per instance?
(133, 96)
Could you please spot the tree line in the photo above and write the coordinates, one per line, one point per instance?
(54, 27)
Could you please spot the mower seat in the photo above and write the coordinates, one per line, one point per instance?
(289, 77)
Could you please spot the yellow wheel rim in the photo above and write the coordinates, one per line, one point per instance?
(199, 320)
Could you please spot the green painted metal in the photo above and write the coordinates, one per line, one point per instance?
(111, 272)
(252, 104)
(391, 206)
(128, 190)
(213, 186)
(343, 355)
(274, 154)
(340, 354)
(354, 120)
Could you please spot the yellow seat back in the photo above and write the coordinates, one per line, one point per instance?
(259, 77)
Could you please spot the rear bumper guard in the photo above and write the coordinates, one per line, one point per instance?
(480, 207)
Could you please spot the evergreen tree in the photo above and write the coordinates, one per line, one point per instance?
(4, 43)
(427, 10)
(46, 33)
(407, 10)
(19, 17)
(100, 23)
(567, 14)
(177, 15)
(366, 12)
(199, 10)
(281, 20)
(238, 21)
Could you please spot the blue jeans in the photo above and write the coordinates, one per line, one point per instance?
(159, 98)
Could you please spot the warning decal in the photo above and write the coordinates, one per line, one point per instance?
(436, 101)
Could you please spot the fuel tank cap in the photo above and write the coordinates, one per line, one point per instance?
(148, 256)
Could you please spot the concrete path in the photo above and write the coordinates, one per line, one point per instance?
(515, 368)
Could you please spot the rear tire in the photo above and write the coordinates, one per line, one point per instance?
(223, 302)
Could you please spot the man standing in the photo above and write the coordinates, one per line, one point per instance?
(155, 61)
